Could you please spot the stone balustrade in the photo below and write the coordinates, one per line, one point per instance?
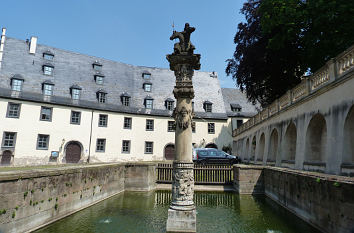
(335, 69)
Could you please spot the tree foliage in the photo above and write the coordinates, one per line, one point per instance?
(281, 40)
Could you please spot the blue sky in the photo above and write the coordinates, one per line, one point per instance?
(133, 31)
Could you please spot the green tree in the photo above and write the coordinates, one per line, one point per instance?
(281, 40)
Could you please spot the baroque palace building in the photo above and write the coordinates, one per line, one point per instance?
(59, 106)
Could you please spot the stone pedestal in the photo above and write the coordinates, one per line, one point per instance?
(182, 213)
(181, 221)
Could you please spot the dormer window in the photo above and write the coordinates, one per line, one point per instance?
(48, 69)
(97, 66)
(16, 82)
(99, 79)
(147, 86)
(125, 98)
(207, 106)
(75, 92)
(48, 55)
(101, 96)
(169, 104)
(149, 102)
(47, 88)
(236, 107)
(146, 75)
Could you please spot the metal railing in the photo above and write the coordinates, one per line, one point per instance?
(203, 174)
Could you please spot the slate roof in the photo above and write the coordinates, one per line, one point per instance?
(234, 97)
(72, 68)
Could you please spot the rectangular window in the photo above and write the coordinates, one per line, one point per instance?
(48, 70)
(149, 104)
(47, 56)
(211, 128)
(126, 146)
(97, 67)
(147, 87)
(103, 120)
(125, 100)
(75, 94)
(9, 139)
(171, 126)
(149, 147)
(42, 142)
(146, 76)
(46, 114)
(75, 118)
(149, 125)
(127, 123)
(13, 110)
(169, 105)
(239, 123)
(101, 97)
(99, 79)
(16, 84)
(208, 107)
(100, 145)
(48, 89)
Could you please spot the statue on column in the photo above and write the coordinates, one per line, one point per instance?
(184, 46)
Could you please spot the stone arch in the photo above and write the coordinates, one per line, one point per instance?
(253, 148)
(211, 145)
(247, 156)
(348, 139)
(273, 147)
(289, 144)
(316, 139)
(6, 157)
(73, 152)
(169, 151)
(261, 147)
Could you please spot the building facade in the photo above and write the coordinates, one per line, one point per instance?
(63, 107)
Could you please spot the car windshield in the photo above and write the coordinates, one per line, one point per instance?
(222, 153)
(213, 153)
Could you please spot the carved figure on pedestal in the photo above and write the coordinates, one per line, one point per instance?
(184, 45)
(182, 185)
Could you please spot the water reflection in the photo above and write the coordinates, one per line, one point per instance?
(216, 212)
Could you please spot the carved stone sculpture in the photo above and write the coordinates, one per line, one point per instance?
(182, 215)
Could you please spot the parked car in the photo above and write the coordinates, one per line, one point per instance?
(213, 156)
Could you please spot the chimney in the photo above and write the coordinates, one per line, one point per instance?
(2, 44)
(33, 45)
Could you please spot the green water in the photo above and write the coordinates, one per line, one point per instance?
(216, 212)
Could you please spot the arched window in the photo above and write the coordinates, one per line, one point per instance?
(211, 145)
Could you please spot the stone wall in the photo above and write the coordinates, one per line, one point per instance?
(248, 179)
(33, 198)
(325, 201)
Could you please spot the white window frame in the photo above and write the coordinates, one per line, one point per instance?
(16, 84)
(75, 93)
(48, 89)
(48, 70)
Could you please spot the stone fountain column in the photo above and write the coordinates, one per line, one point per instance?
(182, 213)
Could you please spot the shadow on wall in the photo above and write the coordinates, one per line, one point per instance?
(224, 139)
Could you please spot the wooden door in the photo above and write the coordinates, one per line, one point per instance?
(73, 152)
(6, 157)
(170, 152)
